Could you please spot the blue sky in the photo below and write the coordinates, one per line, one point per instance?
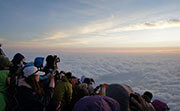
(90, 23)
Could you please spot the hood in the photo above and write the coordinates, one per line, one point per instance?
(64, 79)
(38, 62)
(120, 94)
(97, 103)
(22, 82)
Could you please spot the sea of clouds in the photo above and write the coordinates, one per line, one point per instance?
(158, 73)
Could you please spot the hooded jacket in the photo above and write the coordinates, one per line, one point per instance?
(97, 103)
(3, 87)
(63, 91)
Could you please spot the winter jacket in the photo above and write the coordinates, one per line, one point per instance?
(63, 91)
(96, 103)
(3, 87)
(160, 105)
(29, 100)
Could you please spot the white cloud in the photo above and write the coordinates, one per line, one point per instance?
(145, 26)
(158, 73)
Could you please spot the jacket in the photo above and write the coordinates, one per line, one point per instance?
(30, 101)
(63, 91)
(3, 87)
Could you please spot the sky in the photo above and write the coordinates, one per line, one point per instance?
(90, 24)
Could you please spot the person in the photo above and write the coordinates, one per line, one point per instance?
(89, 82)
(97, 103)
(1, 51)
(16, 69)
(120, 93)
(14, 75)
(147, 96)
(4, 71)
(51, 67)
(63, 92)
(30, 95)
(160, 105)
(138, 103)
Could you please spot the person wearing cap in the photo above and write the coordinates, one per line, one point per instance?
(30, 95)
(50, 67)
(63, 92)
(4, 71)
(16, 70)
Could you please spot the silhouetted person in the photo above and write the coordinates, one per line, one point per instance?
(1, 51)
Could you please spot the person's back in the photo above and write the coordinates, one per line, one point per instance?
(63, 91)
(4, 66)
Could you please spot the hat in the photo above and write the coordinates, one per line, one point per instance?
(5, 62)
(68, 75)
(17, 58)
(147, 96)
(28, 71)
(38, 62)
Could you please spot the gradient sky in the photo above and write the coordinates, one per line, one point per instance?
(90, 23)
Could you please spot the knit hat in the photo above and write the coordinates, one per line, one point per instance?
(147, 96)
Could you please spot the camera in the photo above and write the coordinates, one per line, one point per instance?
(56, 59)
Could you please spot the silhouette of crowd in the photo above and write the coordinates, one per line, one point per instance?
(35, 87)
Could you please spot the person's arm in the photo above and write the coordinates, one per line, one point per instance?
(44, 100)
(142, 104)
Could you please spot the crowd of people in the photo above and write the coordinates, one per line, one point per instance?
(35, 87)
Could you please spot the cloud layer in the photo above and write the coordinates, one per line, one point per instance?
(158, 73)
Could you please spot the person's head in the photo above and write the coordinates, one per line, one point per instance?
(52, 61)
(32, 71)
(38, 62)
(69, 76)
(5, 63)
(147, 96)
(18, 59)
(32, 75)
(0, 44)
